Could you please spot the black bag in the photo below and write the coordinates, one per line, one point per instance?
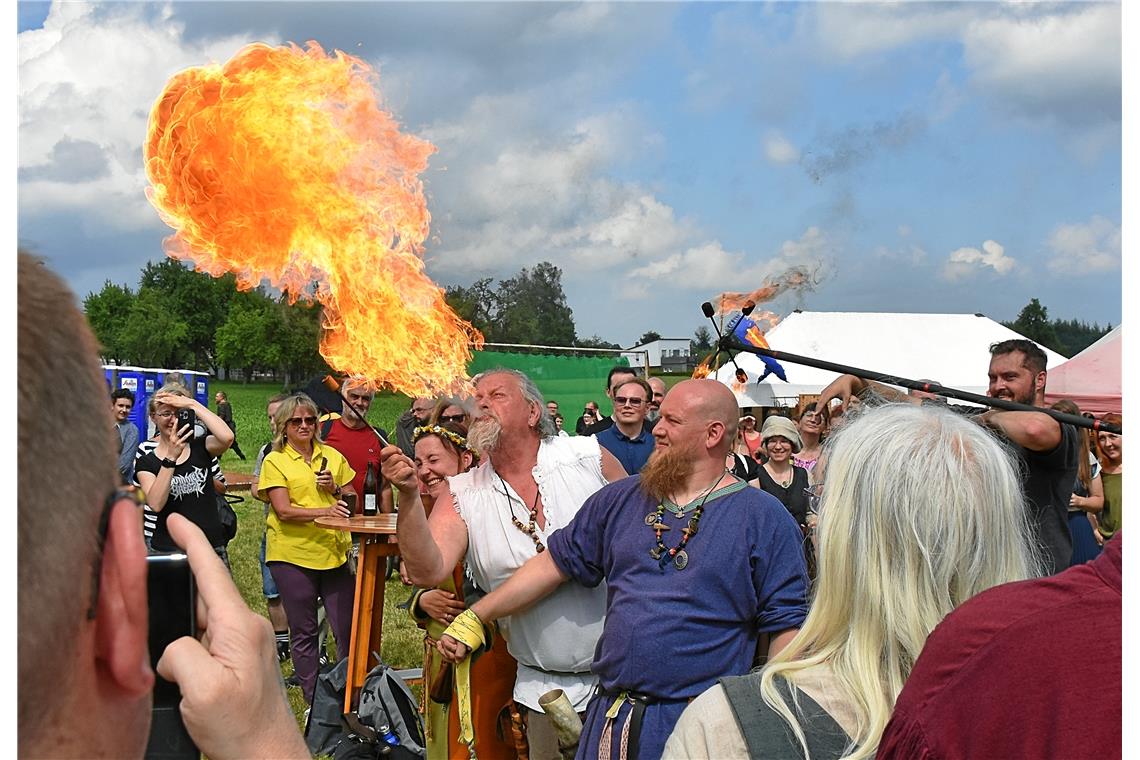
(227, 517)
(324, 730)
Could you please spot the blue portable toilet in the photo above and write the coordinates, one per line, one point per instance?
(134, 380)
(151, 383)
(200, 385)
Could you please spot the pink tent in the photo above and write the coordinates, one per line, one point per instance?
(1091, 379)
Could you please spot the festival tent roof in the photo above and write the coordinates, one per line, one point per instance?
(1091, 379)
(950, 349)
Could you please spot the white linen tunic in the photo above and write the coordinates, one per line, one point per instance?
(553, 641)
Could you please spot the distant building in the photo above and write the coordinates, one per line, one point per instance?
(666, 354)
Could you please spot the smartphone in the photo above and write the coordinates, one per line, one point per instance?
(350, 500)
(185, 417)
(172, 600)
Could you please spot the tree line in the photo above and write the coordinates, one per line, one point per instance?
(178, 317)
(1066, 337)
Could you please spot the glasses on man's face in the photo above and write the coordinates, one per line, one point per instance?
(299, 421)
(452, 417)
(628, 401)
(814, 496)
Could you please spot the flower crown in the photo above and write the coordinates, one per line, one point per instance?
(442, 432)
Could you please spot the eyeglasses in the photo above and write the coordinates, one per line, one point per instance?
(628, 401)
(814, 496)
(164, 415)
(452, 417)
(135, 494)
(298, 421)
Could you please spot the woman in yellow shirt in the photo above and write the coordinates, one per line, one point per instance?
(303, 479)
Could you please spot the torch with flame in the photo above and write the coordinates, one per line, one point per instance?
(281, 165)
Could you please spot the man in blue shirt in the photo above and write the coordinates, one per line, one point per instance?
(629, 439)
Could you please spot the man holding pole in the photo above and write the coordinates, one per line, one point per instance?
(1047, 448)
(704, 575)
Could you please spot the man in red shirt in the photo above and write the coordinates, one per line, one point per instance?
(1029, 669)
(351, 435)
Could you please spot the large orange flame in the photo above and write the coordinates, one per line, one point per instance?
(281, 165)
(796, 278)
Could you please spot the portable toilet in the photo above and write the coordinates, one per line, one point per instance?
(134, 380)
(152, 381)
(200, 385)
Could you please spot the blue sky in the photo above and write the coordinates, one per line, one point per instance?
(929, 157)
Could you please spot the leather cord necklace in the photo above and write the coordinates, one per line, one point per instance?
(680, 557)
(531, 528)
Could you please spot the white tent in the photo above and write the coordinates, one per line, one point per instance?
(950, 349)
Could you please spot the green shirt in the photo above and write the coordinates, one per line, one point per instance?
(1110, 516)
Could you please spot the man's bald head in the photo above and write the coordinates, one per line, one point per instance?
(709, 401)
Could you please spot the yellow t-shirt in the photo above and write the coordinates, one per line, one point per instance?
(305, 544)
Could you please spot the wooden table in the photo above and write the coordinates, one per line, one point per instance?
(368, 604)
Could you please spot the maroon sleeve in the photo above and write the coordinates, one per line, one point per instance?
(904, 739)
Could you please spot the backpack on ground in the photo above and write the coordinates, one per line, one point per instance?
(325, 729)
(385, 701)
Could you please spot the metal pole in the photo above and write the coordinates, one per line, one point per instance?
(729, 343)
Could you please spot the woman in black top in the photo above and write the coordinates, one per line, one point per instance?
(176, 475)
(778, 476)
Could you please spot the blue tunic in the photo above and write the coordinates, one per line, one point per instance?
(670, 634)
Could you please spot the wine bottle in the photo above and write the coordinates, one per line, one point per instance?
(370, 502)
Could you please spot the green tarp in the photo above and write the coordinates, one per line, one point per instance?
(569, 380)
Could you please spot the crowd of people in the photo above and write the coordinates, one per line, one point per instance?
(877, 574)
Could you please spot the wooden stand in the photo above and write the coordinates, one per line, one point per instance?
(368, 603)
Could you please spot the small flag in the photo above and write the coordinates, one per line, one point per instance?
(746, 331)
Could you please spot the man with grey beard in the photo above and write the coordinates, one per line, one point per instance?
(704, 575)
(530, 483)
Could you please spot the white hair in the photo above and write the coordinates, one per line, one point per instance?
(921, 510)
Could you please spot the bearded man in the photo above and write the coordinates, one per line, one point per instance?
(530, 483)
(1047, 449)
(705, 576)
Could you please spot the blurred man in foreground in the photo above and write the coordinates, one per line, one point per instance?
(85, 679)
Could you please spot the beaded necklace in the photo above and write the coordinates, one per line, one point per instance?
(680, 557)
(531, 528)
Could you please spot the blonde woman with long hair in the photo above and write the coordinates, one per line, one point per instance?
(919, 510)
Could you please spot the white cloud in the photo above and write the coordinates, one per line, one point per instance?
(779, 150)
(65, 101)
(965, 262)
(709, 266)
(1057, 60)
(853, 30)
(1064, 64)
(1082, 249)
